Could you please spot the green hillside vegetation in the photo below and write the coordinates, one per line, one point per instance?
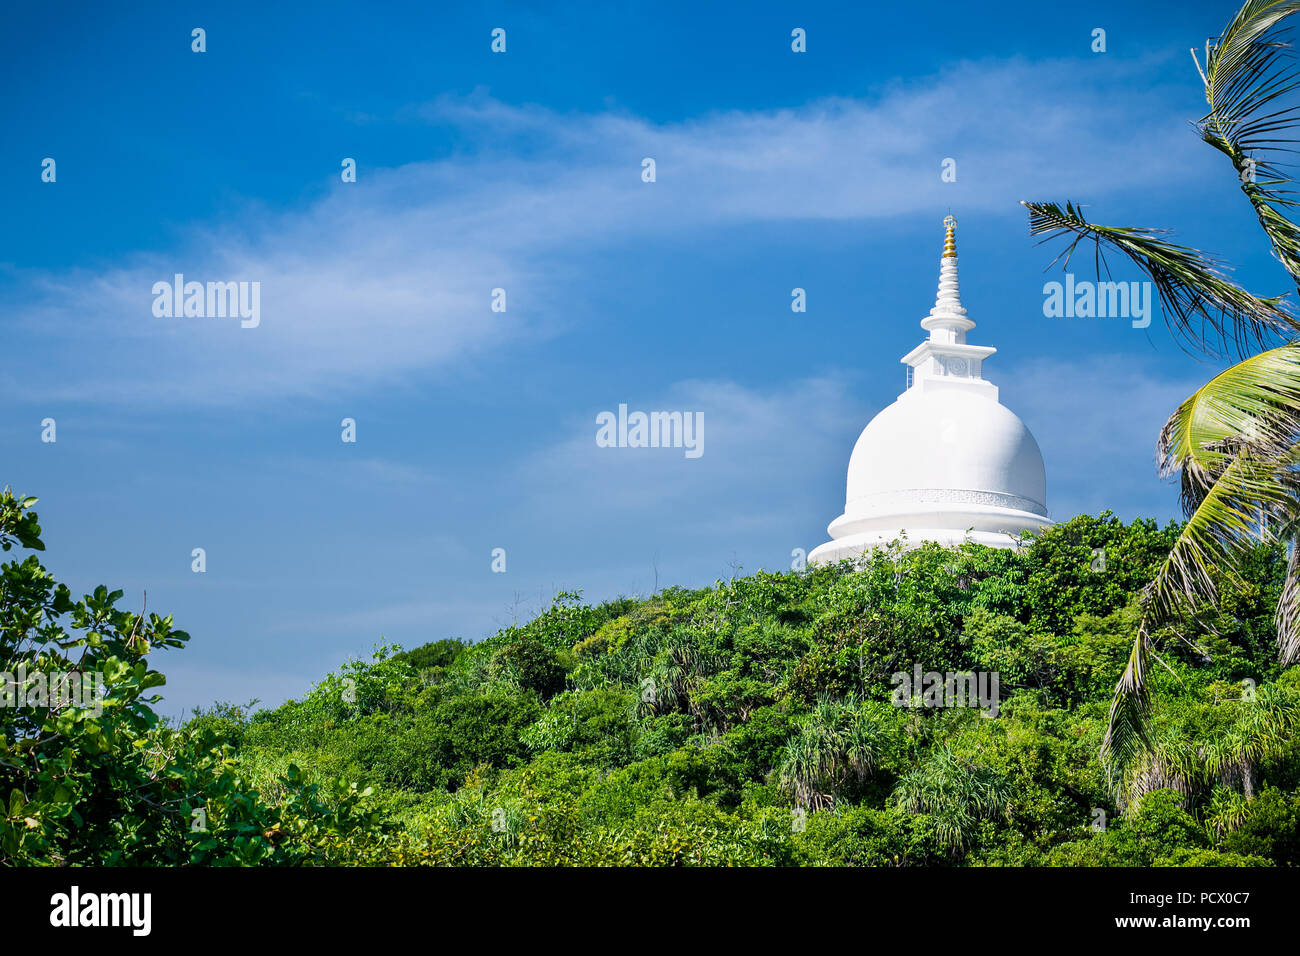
(748, 723)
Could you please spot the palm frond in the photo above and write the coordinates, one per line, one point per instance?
(1252, 407)
(1229, 520)
(1227, 810)
(1264, 729)
(1220, 530)
(956, 794)
(1127, 743)
(1267, 725)
(1170, 765)
(1287, 615)
(1195, 296)
(1246, 73)
(838, 740)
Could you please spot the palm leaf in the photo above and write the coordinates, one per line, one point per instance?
(1221, 529)
(1220, 532)
(1228, 809)
(1127, 749)
(1287, 616)
(1246, 72)
(1253, 407)
(1194, 293)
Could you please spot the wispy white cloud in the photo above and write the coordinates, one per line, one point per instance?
(759, 445)
(392, 275)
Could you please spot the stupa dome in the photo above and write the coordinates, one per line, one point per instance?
(946, 462)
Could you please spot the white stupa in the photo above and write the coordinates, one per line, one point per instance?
(946, 462)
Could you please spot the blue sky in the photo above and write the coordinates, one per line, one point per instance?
(522, 170)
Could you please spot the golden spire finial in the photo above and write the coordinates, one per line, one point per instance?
(949, 238)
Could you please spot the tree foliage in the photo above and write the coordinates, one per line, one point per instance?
(748, 723)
